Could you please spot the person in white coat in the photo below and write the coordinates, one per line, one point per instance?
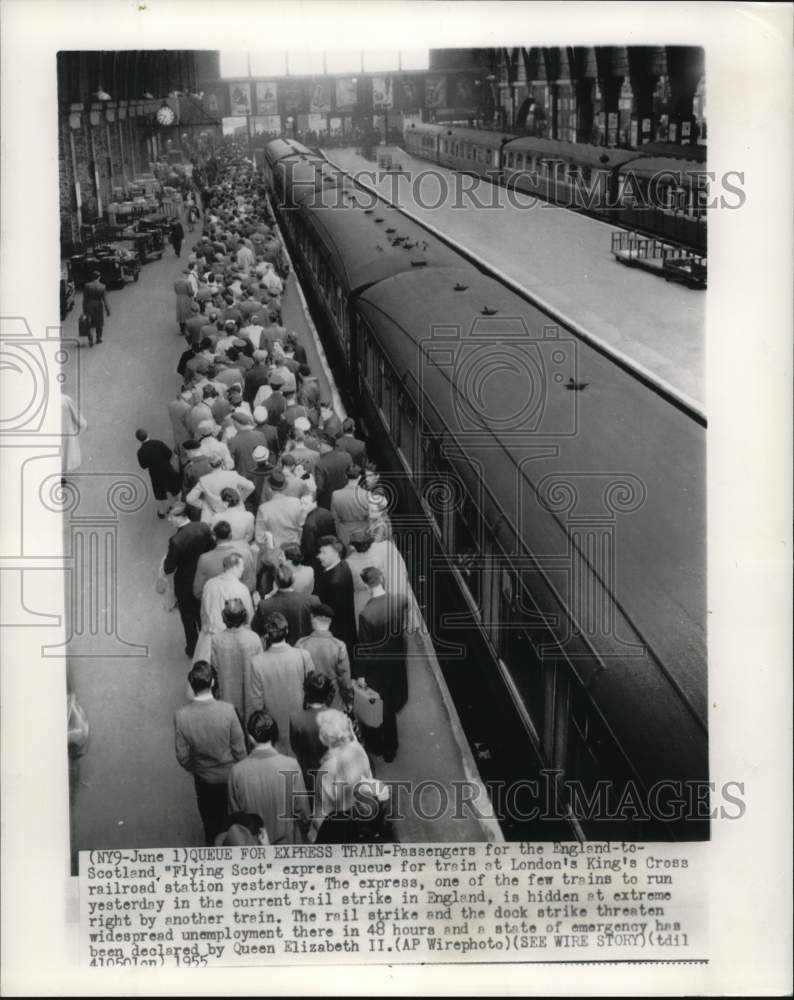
(72, 423)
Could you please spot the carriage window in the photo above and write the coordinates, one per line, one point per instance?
(408, 430)
(374, 371)
(364, 351)
(385, 392)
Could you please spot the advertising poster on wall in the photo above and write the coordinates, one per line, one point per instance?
(240, 98)
(293, 96)
(408, 93)
(320, 100)
(461, 92)
(346, 93)
(382, 93)
(267, 97)
(318, 122)
(266, 125)
(435, 91)
(216, 101)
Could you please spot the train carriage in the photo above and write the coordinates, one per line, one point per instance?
(566, 173)
(574, 568)
(664, 196)
(347, 240)
(620, 690)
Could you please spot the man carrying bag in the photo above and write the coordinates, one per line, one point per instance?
(380, 661)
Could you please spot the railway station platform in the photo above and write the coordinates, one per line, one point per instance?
(560, 257)
(128, 790)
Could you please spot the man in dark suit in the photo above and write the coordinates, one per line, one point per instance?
(259, 477)
(275, 404)
(333, 584)
(245, 442)
(295, 607)
(304, 734)
(318, 522)
(189, 541)
(381, 654)
(95, 304)
(350, 443)
(350, 507)
(330, 470)
(256, 377)
(156, 457)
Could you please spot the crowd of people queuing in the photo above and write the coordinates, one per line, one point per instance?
(290, 590)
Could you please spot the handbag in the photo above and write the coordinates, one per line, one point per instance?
(368, 707)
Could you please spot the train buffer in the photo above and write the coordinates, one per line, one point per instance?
(671, 262)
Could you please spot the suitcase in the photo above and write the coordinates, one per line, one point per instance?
(368, 707)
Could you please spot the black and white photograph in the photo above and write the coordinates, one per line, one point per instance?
(364, 485)
(418, 442)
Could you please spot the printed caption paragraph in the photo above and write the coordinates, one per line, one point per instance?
(203, 906)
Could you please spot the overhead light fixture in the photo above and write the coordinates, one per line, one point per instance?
(147, 96)
(101, 95)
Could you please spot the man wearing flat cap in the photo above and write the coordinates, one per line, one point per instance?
(282, 515)
(206, 494)
(262, 424)
(330, 470)
(227, 340)
(245, 442)
(275, 405)
(302, 446)
(195, 324)
(260, 478)
(256, 376)
(210, 445)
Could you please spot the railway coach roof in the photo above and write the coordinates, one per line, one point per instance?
(601, 157)
(659, 579)
(657, 166)
(426, 128)
(280, 148)
(370, 244)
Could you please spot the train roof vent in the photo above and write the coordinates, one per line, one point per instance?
(391, 229)
(379, 218)
(419, 262)
(368, 211)
(488, 311)
(459, 286)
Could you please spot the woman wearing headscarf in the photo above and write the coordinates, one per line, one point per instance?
(342, 767)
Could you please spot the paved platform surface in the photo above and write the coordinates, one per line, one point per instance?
(561, 256)
(128, 790)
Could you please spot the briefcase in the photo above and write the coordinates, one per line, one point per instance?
(368, 707)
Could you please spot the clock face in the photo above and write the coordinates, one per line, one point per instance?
(165, 116)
